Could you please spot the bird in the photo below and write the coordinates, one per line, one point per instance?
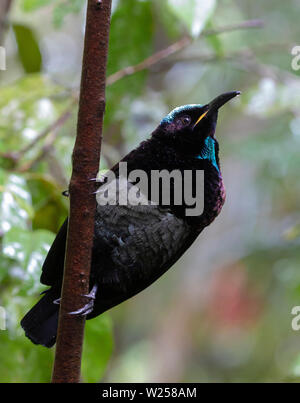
(134, 245)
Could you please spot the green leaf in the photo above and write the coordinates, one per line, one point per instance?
(28, 48)
(28, 249)
(15, 202)
(31, 5)
(97, 349)
(194, 15)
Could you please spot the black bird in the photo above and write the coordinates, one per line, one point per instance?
(135, 244)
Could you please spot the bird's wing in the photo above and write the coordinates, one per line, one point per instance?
(53, 266)
(134, 245)
(143, 235)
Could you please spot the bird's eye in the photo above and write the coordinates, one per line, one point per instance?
(185, 120)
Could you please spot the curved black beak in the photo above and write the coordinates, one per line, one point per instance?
(222, 99)
(215, 104)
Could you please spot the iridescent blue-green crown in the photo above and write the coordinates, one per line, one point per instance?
(175, 112)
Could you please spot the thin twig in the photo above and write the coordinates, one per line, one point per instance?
(18, 155)
(247, 60)
(248, 24)
(150, 61)
(244, 53)
(47, 146)
(176, 47)
(130, 70)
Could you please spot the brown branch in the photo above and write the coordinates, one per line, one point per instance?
(86, 156)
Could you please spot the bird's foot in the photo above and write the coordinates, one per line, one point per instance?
(87, 308)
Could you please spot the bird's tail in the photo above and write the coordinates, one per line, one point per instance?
(40, 323)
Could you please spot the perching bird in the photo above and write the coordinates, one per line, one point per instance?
(135, 244)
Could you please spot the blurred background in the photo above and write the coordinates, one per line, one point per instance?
(223, 312)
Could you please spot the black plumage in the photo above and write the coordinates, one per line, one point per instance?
(135, 245)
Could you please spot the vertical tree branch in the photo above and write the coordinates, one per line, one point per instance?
(86, 155)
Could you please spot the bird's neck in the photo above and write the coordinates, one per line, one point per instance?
(209, 152)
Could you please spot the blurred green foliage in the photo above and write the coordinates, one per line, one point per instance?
(223, 313)
(60, 10)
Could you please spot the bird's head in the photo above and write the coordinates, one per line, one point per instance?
(188, 126)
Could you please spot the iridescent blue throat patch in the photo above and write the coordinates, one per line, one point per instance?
(208, 152)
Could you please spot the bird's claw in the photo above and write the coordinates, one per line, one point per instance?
(96, 180)
(94, 193)
(91, 295)
(87, 308)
